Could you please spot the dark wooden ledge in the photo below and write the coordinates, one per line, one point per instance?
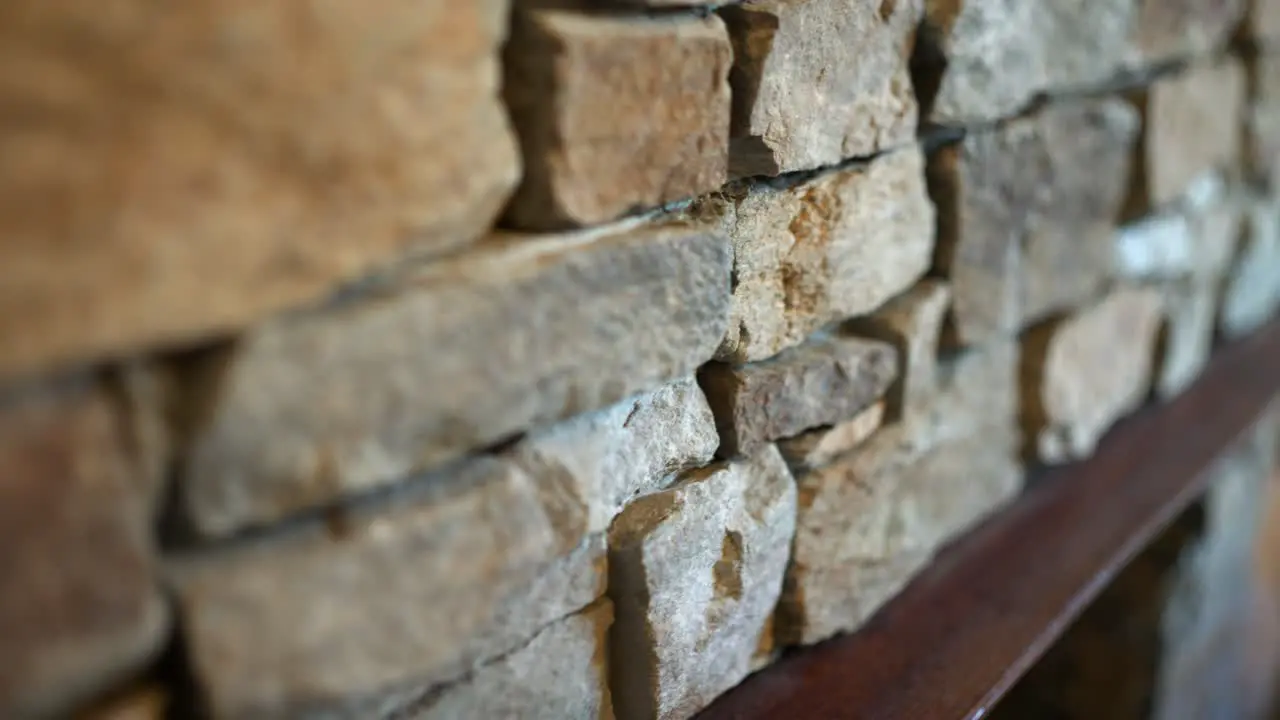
(959, 636)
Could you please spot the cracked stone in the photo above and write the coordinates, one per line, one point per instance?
(818, 448)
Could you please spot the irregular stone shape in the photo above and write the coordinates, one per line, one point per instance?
(79, 606)
(458, 356)
(1193, 123)
(837, 246)
(828, 379)
(606, 459)
(1252, 293)
(262, 153)
(817, 448)
(140, 703)
(976, 395)
(912, 323)
(615, 113)
(559, 674)
(1262, 20)
(1081, 373)
(694, 574)
(819, 81)
(1190, 311)
(1027, 212)
(322, 616)
(1262, 122)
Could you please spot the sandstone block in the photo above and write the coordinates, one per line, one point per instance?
(819, 81)
(828, 379)
(694, 574)
(976, 396)
(1027, 213)
(408, 591)
(837, 246)
(457, 356)
(263, 153)
(615, 113)
(1080, 374)
(1192, 127)
(559, 674)
(79, 605)
(1252, 293)
(820, 447)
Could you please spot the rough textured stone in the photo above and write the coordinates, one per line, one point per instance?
(828, 379)
(1262, 122)
(1081, 373)
(458, 356)
(819, 81)
(820, 447)
(837, 246)
(561, 673)
(615, 113)
(326, 615)
(976, 395)
(694, 574)
(184, 169)
(1192, 127)
(1252, 294)
(1190, 309)
(1027, 212)
(1165, 30)
(79, 605)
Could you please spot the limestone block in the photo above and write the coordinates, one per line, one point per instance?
(456, 356)
(615, 113)
(410, 590)
(819, 81)
(834, 247)
(976, 395)
(828, 379)
(694, 575)
(1190, 309)
(1252, 293)
(1082, 373)
(261, 153)
(1027, 212)
(80, 608)
(912, 323)
(817, 448)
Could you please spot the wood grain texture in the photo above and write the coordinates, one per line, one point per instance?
(956, 639)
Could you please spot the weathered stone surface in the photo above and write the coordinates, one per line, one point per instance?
(828, 379)
(615, 113)
(837, 246)
(819, 81)
(136, 703)
(79, 605)
(262, 152)
(1262, 20)
(976, 395)
(1166, 30)
(458, 356)
(1192, 128)
(1190, 309)
(1081, 373)
(323, 616)
(820, 447)
(1262, 125)
(1252, 293)
(561, 673)
(694, 574)
(1027, 213)
(912, 323)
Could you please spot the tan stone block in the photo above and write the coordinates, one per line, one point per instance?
(976, 396)
(1252, 293)
(1027, 212)
(1187, 341)
(261, 153)
(817, 448)
(79, 606)
(410, 590)
(834, 247)
(456, 356)
(1082, 373)
(615, 113)
(819, 81)
(1165, 30)
(694, 575)
(1192, 127)
(828, 379)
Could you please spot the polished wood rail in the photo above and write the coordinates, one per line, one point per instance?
(958, 637)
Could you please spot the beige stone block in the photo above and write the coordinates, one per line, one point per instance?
(1082, 373)
(1165, 31)
(184, 170)
(1190, 309)
(976, 396)
(817, 448)
(1252, 293)
(819, 81)
(615, 113)
(839, 245)
(694, 575)
(453, 357)
(828, 379)
(1027, 212)
(80, 609)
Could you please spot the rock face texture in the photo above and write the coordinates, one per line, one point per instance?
(576, 359)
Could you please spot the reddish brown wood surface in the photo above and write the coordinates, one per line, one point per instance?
(959, 636)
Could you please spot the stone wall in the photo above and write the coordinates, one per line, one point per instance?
(574, 358)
